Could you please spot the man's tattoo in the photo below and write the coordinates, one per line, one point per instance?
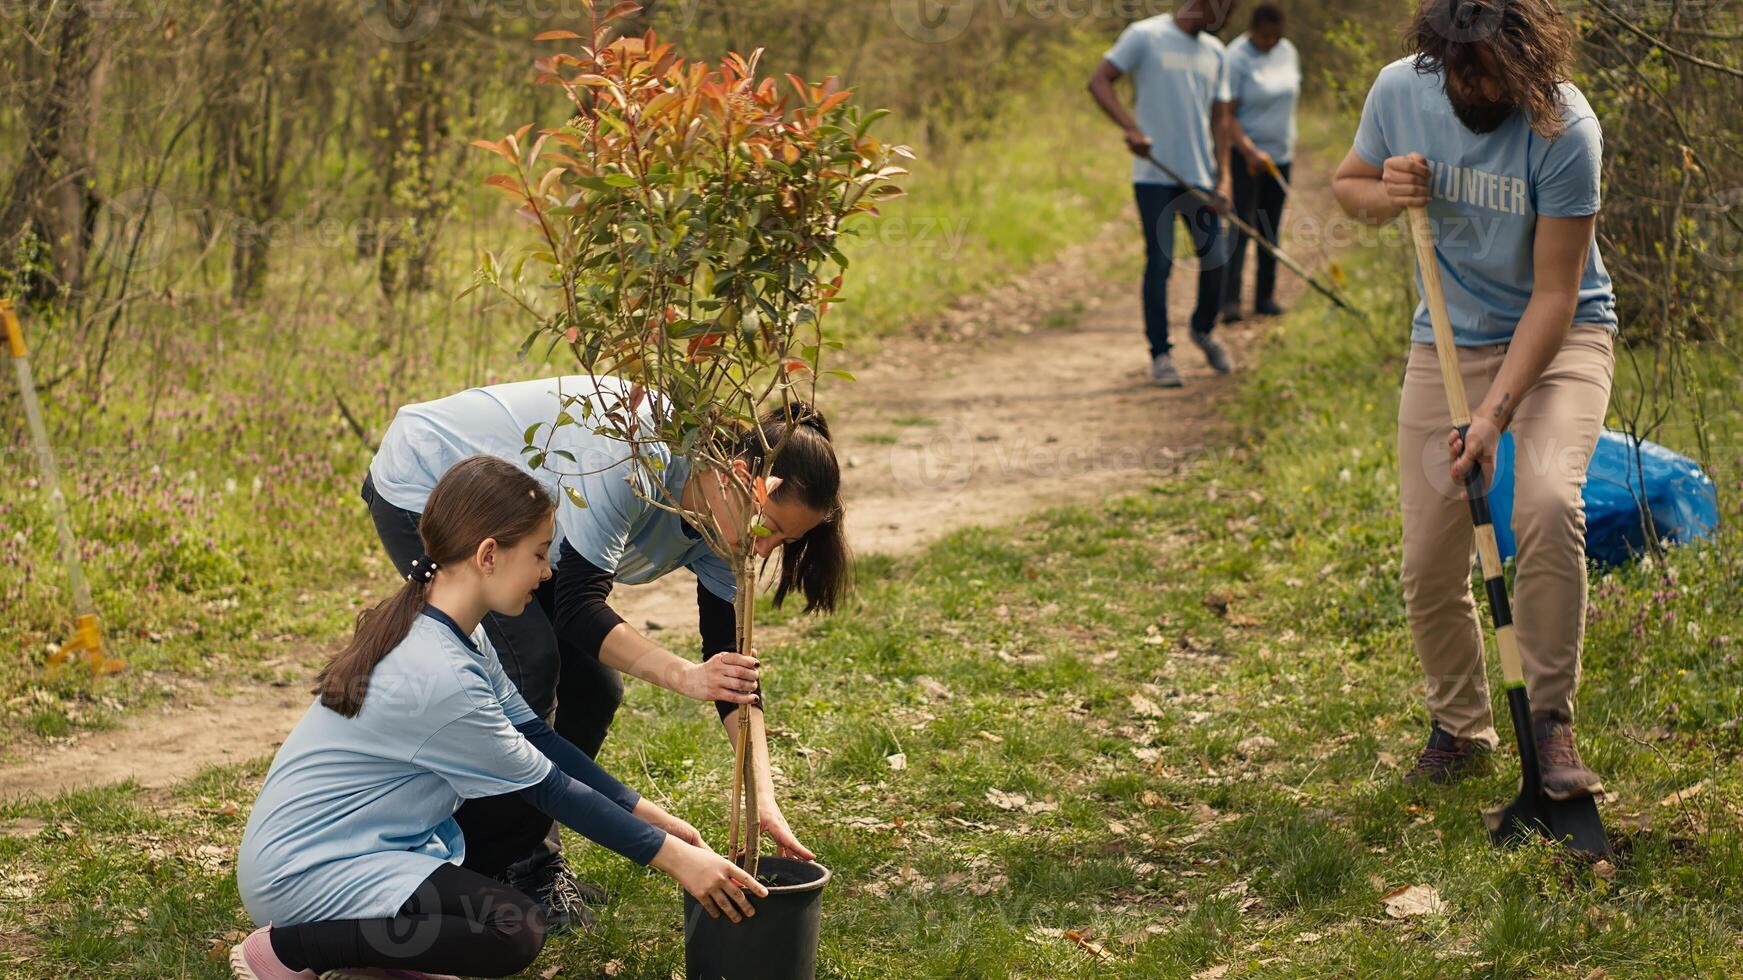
(1501, 407)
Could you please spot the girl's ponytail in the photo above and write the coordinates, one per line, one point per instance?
(479, 498)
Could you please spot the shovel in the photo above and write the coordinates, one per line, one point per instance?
(1574, 823)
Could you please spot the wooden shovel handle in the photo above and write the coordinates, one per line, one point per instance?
(1488, 551)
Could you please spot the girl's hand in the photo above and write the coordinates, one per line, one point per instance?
(776, 827)
(655, 814)
(730, 677)
(684, 832)
(717, 884)
(1476, 449)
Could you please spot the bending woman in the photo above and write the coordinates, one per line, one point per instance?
(564, 654)
(351, 858)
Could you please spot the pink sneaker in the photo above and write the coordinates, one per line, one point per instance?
(382, 973)
(253, 959)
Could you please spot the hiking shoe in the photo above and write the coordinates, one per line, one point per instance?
(253, 959)
(563, 899)
(382, 973)
(1232, 313)
(1565, 777)
(1162, 372)
(1214, 354)
(1448, 759)
(1268, 308)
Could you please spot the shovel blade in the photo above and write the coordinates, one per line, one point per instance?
(1574, 824)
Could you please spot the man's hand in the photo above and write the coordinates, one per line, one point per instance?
(1222, 199)
(776, 827)
(1476, 449)
(726, 676)
(1138, 143)
(1260, 162)
(1406, 180)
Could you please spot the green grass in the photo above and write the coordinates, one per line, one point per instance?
(1093, 764)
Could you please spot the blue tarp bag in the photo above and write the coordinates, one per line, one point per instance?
(1682, 500)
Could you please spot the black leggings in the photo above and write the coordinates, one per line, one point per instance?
(458, 921)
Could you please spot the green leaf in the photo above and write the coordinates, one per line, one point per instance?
(620, 180)
(575, 496)
(532, 430)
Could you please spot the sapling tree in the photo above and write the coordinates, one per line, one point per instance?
(686, 218)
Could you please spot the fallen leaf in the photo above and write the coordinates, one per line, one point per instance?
(1604, 869)
(1252, 745)
(1682, 796)
(989, 736)
(1212, 973)
(898, 762)
(1218, 602)
(1084, 941)
(933, 688)
(1387, 759)
(1407, 901)
(1144, 707)
(612, 968)
(1004, 800)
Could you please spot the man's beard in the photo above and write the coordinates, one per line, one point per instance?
(1482, 117)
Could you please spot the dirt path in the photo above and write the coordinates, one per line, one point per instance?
(984, 415)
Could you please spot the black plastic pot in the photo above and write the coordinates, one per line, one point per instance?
(778, 943)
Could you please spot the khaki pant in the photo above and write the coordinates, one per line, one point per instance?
(1554, 431)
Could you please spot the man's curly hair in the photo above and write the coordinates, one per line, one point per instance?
(1529, 41)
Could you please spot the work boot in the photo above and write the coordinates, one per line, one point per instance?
(1232, 313)
(1162, 372)
(1267, 307)
(1447, 759)
(1214, 353)
(1565, 777)
(563, 898)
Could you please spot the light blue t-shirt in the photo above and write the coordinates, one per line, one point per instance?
(356, 812)
(619, 530)
(1178, 77)
(1485, 193)
(1266, 85)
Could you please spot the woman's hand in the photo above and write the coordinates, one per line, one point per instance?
(1477, 448)
(717, 884)
(776, 827)
(729, 676)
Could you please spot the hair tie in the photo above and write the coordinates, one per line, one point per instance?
(423, 569)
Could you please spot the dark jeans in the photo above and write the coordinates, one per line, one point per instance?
(506, 833)
(1258, 202)
(457, 921)
(1157, 206)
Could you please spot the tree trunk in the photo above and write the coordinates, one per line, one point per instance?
(46, 224)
